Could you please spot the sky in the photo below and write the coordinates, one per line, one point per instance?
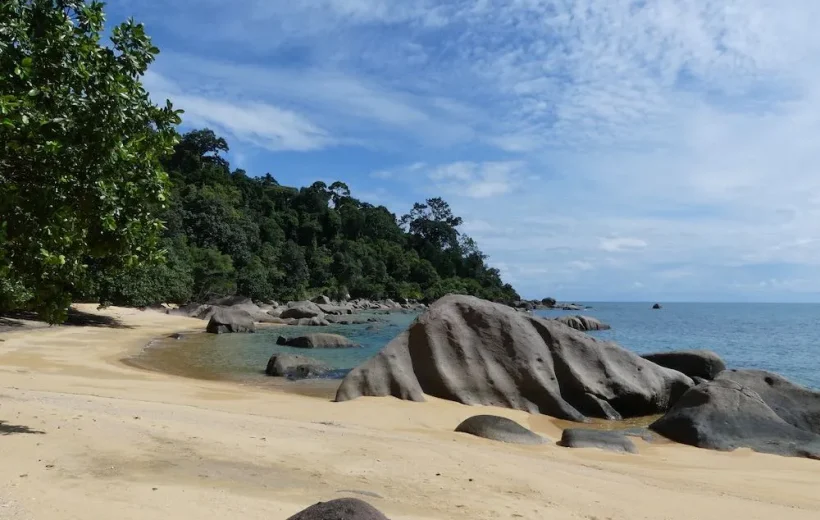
(646, 150)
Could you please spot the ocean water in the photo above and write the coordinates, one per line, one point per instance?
(783, 338)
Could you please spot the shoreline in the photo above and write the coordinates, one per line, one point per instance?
(153, 444)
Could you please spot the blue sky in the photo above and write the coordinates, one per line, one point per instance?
(596, 149)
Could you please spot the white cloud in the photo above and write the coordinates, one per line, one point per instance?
(266, 125)
(478, 180)
(616, 245)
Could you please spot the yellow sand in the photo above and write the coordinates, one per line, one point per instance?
(123, 443)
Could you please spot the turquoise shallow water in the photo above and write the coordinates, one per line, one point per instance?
(783, 338)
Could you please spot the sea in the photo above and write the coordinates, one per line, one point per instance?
(782, 338)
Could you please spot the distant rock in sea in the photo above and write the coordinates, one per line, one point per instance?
(525, 362)
(657, 306)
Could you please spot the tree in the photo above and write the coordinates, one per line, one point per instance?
(80, 174)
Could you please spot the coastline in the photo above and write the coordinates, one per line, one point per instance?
(113, 433)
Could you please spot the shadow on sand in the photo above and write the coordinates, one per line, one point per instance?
(28, 319)
(11, 429)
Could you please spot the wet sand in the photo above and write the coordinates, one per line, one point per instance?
(83, 435)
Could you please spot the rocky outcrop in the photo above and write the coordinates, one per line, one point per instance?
(294, 366)
(610, 440)
(477, 352)
(230, 320)
(795, 404)
(334, 310)
(340, 509)
(703, 364)
(317, 341)
(657, 306)
(499, 429)
(583, 323)
(725, 415)
(303, 309)
(321, 300)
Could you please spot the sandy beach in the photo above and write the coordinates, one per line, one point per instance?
(85, 436)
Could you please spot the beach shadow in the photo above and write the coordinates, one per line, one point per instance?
(84, 319)
(28, 319)
(10, 429)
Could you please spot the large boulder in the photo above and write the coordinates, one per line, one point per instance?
(795, 404)
(477, 352)
(583, 323)
(704, 364)
(230, 320)
(499, 429)
(725, 415)
(303, 309)
(317, 341)
(334, 309)
(610, 440)
(340, 509)
(321, 300)
(295, 366)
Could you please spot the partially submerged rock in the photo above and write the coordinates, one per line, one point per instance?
(295, 366)
(340, 509)
(477, 352)
(302, 309)
(657, 306)
(610, 440)
(703, 364)
(725, 415)
(583, 323)
(317, 341)
(499, 429)
(230, 320)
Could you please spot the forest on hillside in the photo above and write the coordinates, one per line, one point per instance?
(230, 233)
(102, 199)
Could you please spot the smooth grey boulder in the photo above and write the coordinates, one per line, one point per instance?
(321, 300)
(583, 323)
(340, 509)
(334, 309)
(230, 320)
(610, 440)
(703, 364)
(499, 429)
(295, 366)
(725, 415)
(477, 352)
(795, 404)
(317, 341)
(303, 309)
